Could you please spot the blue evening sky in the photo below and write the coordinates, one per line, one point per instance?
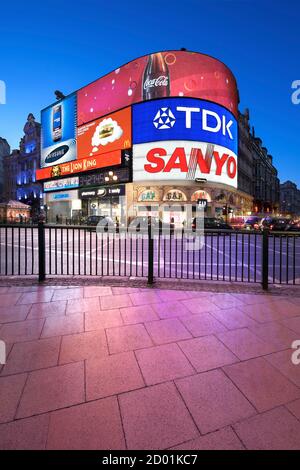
(47, 45)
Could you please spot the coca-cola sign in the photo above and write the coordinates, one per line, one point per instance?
(159, 75)
(162, 80)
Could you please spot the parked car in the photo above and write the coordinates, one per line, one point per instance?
(275, 224)
(252, 223)
(237, 223)
(211, 223)
(107, 222)
(141, 223)
(293, 227)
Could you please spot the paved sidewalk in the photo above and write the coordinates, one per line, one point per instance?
(104, 367)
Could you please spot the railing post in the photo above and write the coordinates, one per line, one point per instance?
(150, 255)
(41, 247)
(265, 259)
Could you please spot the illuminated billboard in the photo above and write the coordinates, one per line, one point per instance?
(58, 137)
(184, 161)
(184, 119)
(158, 101)
(159, 75)
(104, 135)
(58, 185)
(78, 166)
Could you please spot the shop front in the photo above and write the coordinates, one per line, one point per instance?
(96, 193)
(173, 203)
(103, 200)
(62, 206)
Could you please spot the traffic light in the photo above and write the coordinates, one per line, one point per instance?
(224, 210)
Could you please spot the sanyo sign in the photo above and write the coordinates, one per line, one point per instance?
(184, 119)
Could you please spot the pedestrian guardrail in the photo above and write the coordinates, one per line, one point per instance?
(228, 255)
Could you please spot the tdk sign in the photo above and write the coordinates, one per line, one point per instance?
(184, 119)
(164, 119)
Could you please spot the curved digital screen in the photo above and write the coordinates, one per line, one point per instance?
(184, 119)
(177, 110)
(183, 139)
(184, 161)
(159, 75)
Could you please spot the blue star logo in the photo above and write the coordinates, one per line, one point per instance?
(164, 119)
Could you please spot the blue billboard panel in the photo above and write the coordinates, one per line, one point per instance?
(59, 185)
(184, 119)
(58, 143)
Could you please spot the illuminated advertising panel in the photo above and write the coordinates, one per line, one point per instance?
(103, 193)
(65, 183)
(184, 161)
(184, 119)
(78, 166)
(159, 75)
(98, 178)
(104, 135)
(58, 137)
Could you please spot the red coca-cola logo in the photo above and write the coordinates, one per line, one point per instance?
(162, 80)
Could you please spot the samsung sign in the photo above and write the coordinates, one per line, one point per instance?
(184, 139)
(184, 119)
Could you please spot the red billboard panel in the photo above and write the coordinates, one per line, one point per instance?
(78, 166)
(105, 134)
(163, 74)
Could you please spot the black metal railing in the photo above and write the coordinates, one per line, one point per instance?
(19, 249)
(221, 256)
(80, 250)
(233, 256)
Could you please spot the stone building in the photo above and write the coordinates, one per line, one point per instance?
(245, 164)
(257, 176)
(4, 150)
(266, 188)
(20, 168)
(289, 198)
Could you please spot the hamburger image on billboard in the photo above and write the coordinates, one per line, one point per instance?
(106, 132)
(104, 135)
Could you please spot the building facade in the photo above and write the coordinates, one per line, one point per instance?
(185, 140)
(289, 199)
(266, 189)
(245, 164)
(4, 151)
(20, 168)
